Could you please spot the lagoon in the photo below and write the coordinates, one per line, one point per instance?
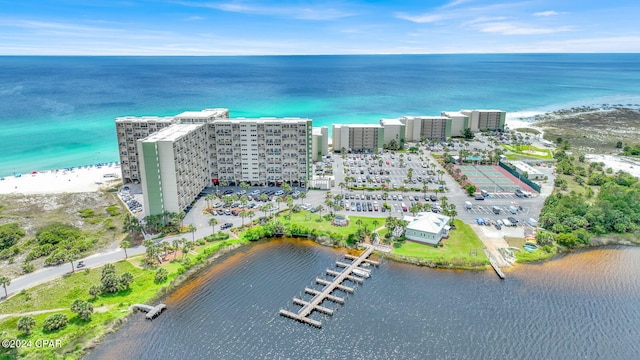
(580, 305)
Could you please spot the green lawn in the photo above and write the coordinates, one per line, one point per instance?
(61, 292)
(310, 220)
(458, 250)
(517, 152)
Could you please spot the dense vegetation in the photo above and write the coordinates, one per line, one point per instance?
(572, 219)
(631, 150)
(9, 235)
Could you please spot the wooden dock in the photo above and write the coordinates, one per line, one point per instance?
(152, 311)
(329, 286)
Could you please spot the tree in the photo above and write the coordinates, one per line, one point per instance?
(71, 256)
(84, 309)
(26, 323)
(94, 291)
(209, 197)
(161, 275)
(9, 235)
(186, 247)
(5, 281)
(131, 225)
(619, 145)
(359, 222)
(124, 244)
(192, 229)
(176, 246)
(126, 279)
(55, 322)
(213, 222)
(243, 215)
(467, 133)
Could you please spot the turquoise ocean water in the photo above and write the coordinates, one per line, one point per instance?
(58, 112)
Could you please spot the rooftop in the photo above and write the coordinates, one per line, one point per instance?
(428, 222)
(385, 122)
(203, 114)
(172, 132)
(145, 119)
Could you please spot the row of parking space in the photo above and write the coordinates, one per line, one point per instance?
(133, 204)
(504, 209)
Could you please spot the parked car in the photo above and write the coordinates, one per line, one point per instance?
(513, 220)
(226, 226)
(480, 221)
(479, 197)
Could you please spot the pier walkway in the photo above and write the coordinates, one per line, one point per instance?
(152, 311)
(329, 286)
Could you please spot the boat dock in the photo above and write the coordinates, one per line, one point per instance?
(329, 286)
(496, 267)
(152, 311)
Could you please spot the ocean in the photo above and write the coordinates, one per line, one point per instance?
(58, 112)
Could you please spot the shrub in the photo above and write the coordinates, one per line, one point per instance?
(57, 232)
(84, 309)
(161, 275)
(200, 242)
(26, 323)
(9, 235)
(55, 322)
(27, 267)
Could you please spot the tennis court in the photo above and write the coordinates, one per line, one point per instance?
(491, 178)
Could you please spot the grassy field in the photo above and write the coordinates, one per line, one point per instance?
(57, 296)
(523, 256)
(310, 220)
(458, 250)
(522, 151)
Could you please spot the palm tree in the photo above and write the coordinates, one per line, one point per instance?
(213, 222)
(192, 229)
(286, 188)
(279, 200)
(375, 223)
(415, 209)
(186, 248)
(342, 186)
(208, 198)
(267, 207)
(264, 197)
(251, 214)
(176, 246)
(302, 196)
(124, 244)
(359, 222)
(244, 186)
(131, 225)
(320, 209)
(5, 281)
(243, 214)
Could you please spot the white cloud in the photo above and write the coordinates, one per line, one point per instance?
(546, 13)
(422, 19)
(294, 12)
(511, 28)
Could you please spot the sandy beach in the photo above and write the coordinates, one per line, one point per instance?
(85, 179)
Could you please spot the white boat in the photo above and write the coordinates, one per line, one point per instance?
(360, 272)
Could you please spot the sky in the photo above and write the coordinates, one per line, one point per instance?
(255, 27)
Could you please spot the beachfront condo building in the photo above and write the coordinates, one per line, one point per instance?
(263, 151)
(459, 122)
(357, 137)
(171, 156)
(173, 167)
(129, 130)
(319, 142)
(485, 119)
(394, 130)
(419, 128)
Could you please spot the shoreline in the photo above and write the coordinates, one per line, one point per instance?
(71, 180)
